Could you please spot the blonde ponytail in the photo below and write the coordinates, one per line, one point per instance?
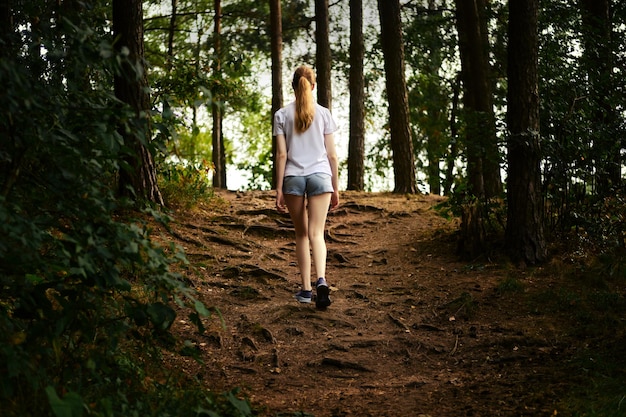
(303, 80)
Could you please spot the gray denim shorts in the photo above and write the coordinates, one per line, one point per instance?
(310, 185)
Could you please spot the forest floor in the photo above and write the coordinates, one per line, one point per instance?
(412, 329)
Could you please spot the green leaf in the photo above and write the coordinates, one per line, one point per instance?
(161, 315)
(201, 308)
(241, 405)
(69, 406)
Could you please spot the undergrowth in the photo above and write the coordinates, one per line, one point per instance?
(87, 296)
(590, 306)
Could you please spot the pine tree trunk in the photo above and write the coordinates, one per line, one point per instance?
(524, 236)
(393, 53)
(356, 146)
(276, 33)
(483, 160)
(323, 56)
(219, 158)
(131, 86)
(598, 60)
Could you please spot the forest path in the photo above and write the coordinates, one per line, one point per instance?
(411, 331)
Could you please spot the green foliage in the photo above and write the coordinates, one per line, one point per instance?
(510, 285)
(88, 296)
(185, 185)
(255, 152)
(590, 307)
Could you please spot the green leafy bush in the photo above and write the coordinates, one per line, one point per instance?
(185, 185)
(87, 296)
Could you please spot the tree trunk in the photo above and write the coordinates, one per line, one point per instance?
(323, 55)
(131, 86)
(6, 25)
(483, 160)
(436, 111)
(219, 158)
(451, 157)
(276, 38)
(356, 145)
(598, 59)
(524, 236)
(7, 31)
(393, 53)
(170, 34)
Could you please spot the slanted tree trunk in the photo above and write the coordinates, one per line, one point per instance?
(356, 145)
(524, 236)
(131, 86)
(323, 56)
(219, 156)
(393, 53)
(276, 38)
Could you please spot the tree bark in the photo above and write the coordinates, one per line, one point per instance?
(483, 158)
(218, 157)
(436, 109)
(323, 56)
(356, 145)
(131, 87)
(393, 53)
(276, 38)
(170, 34)
(524, 236)
(6, 27)
(598, 60)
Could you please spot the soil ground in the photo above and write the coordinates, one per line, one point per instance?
(412, 330)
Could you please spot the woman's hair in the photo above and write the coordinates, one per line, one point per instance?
(303, 79)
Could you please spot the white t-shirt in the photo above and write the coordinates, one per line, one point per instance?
(306, 152)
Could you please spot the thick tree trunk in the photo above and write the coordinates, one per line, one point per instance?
(139, 178)
(483, 159)
(524, 235)
(219, 157)
(276, 33)
(323, 56)
(393, 53)
(356, 146)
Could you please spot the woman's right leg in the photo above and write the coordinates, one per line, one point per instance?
(297, 210)
(317, 213)
(318, 210)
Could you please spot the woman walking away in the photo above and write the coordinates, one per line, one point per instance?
(306, 179)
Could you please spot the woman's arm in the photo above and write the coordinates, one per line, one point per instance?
(331, 151)
(280, 162)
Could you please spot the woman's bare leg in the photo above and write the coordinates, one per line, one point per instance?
(298, 212)
(317, 212)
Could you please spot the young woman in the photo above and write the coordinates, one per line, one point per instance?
(306, 179)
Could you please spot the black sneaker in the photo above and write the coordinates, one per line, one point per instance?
(322, 299)
(304, 296)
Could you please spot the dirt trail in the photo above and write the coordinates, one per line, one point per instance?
(412, 330)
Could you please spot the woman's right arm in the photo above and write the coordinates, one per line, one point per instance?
(280, 162)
